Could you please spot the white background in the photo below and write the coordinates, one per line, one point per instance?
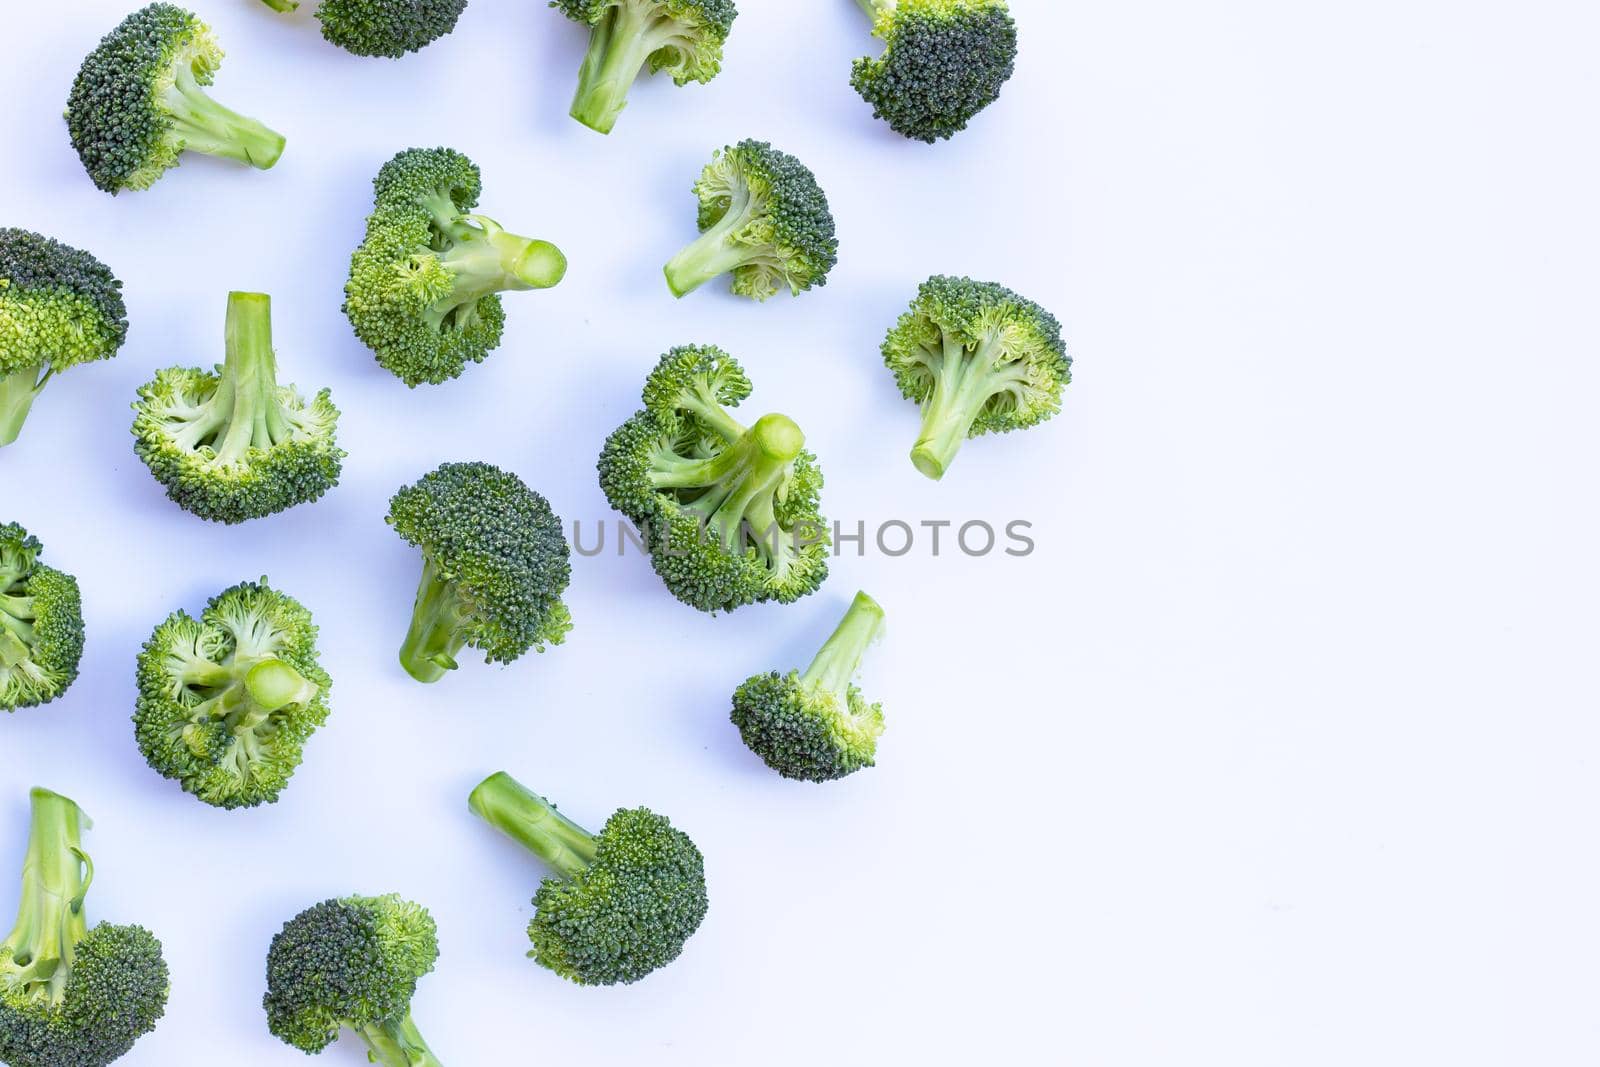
(1278, 750)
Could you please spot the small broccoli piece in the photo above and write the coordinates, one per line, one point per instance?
(943, 62)
(59, 306)
(228, 701)
(762, 218)
(71, 996)
(139, 102)
(623, 901)
(979, 359)
(233, 444)
(495, 561)
(388, 28)
(729, 515)
(352, 963)
(815, 726)
(283, 5)
(682, 37)
(422, 292)
(41, 624)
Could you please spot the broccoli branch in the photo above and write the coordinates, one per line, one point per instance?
(620, 45)
(17, 390)
(532, 821)
(839, 659)
(397, 1043)
(964, 382)
(720, 248)
(203, 125)
(742, 483)
(50, 921)
(486, 259)
(283, 5)
(438, 627)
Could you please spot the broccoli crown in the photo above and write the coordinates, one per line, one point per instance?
(389, 28)
(59, 305)
(762, 218)
(943, 62)
(233, 444)
(496, 562)
(352, 962)
(227, 701)
(41, 624)
(138, 102)
(423, 285)
(731, 515)
(979, 359)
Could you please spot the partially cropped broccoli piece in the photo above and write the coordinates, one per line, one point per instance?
(227, 701)
(41, 624)
(815, 726)
(71, 996)
(979, 359)
(762, 218)
(623, 901)
(682, 37)
(232, 444)
(390, 28)
(59, 306)
(943, 62)
(730, 515)
(139, 103)
(352, 963)
(423, 284)
(495, 561)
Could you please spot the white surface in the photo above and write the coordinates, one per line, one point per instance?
(1279, 750)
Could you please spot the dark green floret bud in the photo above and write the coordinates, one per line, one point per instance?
(41, 624)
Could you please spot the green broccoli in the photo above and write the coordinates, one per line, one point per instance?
(71, 996)
(682, 37)
(59, 306)
(423, 284)
(762, 218)
(227, 701)
(389, 28)
(139, 102)
(624, 900)
(943, 62)
(979, 359)
(41, 624)
(352, 963)
(233, 444)
(495, 561)
(815, 726)
(729, 515)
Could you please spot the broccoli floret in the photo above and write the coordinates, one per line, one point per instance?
(730, 515)
(682, 37)
(233, 444)
(623, 901)
(227, 701)
(352, 963)
(138, 103)
(71, 996)
(390, 28)
(41, 624)
(943, 62)
(815, 726)
(422, 288)
(495, 561)
(59, 306)
(979, 359)
(764, 219)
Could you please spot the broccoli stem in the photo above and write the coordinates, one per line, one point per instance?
(203, 125)
(839, 659)
(273, 684)
(741, 482)
(620, 44)
(283, 5)
(486, 259)
(524, 816)
(245, 406)
(717, 250)
(437, 632)
(55, 877)
(17, 390)
(398, 1043)
(965, 382)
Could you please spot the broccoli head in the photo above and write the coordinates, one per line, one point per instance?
(352, 963)
(390, 28)
(59, 306)
(623, 901)
(41, 624)
(943, 62)
(422, 292)
(233, 444)
(815, 726)
(979, 359)
(682, 37)
(139, 103)
(730, 515)
(495, 561)
(71, 996)
(764, 219)
(227, 701)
